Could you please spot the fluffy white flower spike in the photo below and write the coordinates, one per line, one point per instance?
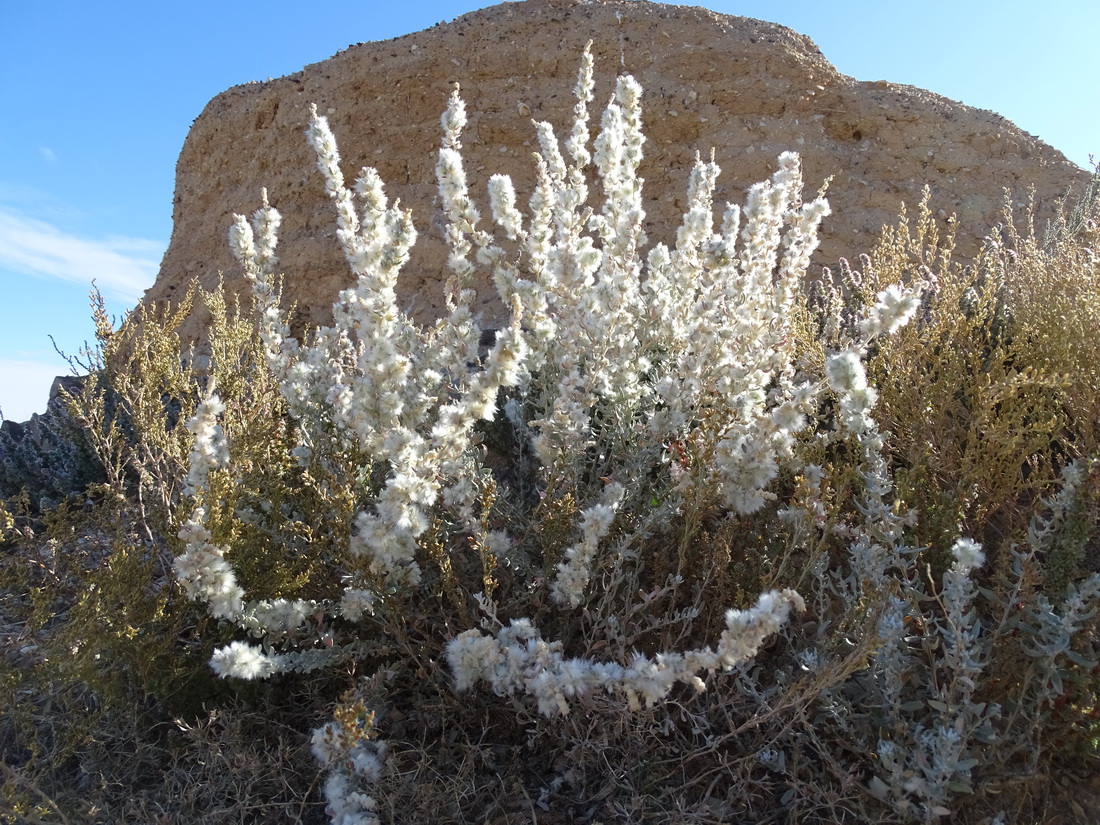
(575, 571)
(894, 308)
(244, 661)
(209, 451)
(968, 555)
(519, 659)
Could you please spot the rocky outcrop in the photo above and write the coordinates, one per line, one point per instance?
(51, 456)
(744, 88)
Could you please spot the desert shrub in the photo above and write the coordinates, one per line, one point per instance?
(672, 544)
(1051, 287)
(109, 701)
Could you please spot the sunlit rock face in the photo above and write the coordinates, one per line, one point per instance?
(743, 88)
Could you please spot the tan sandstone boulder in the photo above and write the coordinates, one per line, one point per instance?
(748, 89)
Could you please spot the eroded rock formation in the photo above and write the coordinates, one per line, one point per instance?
(746, 88)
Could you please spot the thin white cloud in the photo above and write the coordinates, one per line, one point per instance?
(25, 386)
(48, 154)
(122, 267)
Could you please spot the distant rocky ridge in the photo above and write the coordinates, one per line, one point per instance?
(17, 431)
(48, 457)
(746, 88)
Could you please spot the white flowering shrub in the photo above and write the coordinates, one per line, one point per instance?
(646, 550)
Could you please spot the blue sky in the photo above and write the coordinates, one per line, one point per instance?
(97, 99)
